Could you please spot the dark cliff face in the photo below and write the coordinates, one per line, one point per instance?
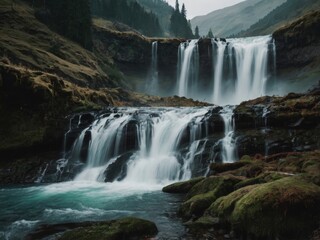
(298, 54)
(132, 54)
(298, 44)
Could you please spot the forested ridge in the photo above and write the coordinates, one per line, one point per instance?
(130, 13)
(69, 18)
(73, 19)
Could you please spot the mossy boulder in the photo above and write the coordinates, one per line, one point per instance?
(224, 167)
(204, 193)
(285, 209)
(262, 178)
(182, 187)
(127, 228)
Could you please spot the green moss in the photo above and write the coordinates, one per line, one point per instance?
(246, 158)
(204, 193)
(220, 184)
(224, 206)
(284, 208)
(201, 225)
(197, 205)
(182, 187)
(127, 228)
(262, 178)
(224, 167)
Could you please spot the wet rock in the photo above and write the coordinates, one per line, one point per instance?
(182, 187)
(118, 169)
(298, 53)
(130, 136)
(86, 120)
(85, 147)
(224, 167)
(215, 123)
(126, 228)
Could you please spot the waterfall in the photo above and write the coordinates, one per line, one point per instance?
(228, 143)
(241, 68)
(143, 144)
(152, 86)
(249, 56)
(218, 47)
(188, 68)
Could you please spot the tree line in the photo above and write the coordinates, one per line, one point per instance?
(73, 18)
(130, 13)
(179, 25)
(70, 18)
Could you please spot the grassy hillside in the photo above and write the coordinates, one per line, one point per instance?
(232, 20)
(27, 42)
(282, 15)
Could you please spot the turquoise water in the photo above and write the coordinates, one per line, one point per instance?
(23, 208)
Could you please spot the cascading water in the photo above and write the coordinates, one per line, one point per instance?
(152, 85)
(218, 47)
(249, 56)
(228, 153)
(152, 139)
(188, 68)
(241, 69)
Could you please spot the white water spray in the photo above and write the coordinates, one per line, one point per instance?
(159, 134)
(218, 68)
(250, 58)
(152, 86)
(188, 68)
(228, 143)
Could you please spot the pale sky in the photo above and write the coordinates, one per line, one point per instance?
(202, 7)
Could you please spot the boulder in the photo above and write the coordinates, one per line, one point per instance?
(118, 169)
(284, 209)
(182, 187)
(125, 228)
(204, 193)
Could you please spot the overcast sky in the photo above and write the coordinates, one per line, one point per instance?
(202, 7)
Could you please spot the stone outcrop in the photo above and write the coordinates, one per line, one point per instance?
(298, 51)
(298, 43)
(268, 197)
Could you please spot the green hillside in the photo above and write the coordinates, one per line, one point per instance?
(232, 20)
(282, 15)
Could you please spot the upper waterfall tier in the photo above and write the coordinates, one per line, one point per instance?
(219, 71)
(245, 70)
(240, 70)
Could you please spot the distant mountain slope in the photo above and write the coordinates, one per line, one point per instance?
(283, 14)
(161, 9)
(232, 20)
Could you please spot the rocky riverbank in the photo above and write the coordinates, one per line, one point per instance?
(125, 228)
(272, 197)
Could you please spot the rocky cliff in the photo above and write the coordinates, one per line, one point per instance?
(298, 51)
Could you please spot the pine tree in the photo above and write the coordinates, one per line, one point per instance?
(183, 11)
(179, 25)
(196, 32)
(130, 13)
(72, 19)
(210, 34)
(177, 8)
